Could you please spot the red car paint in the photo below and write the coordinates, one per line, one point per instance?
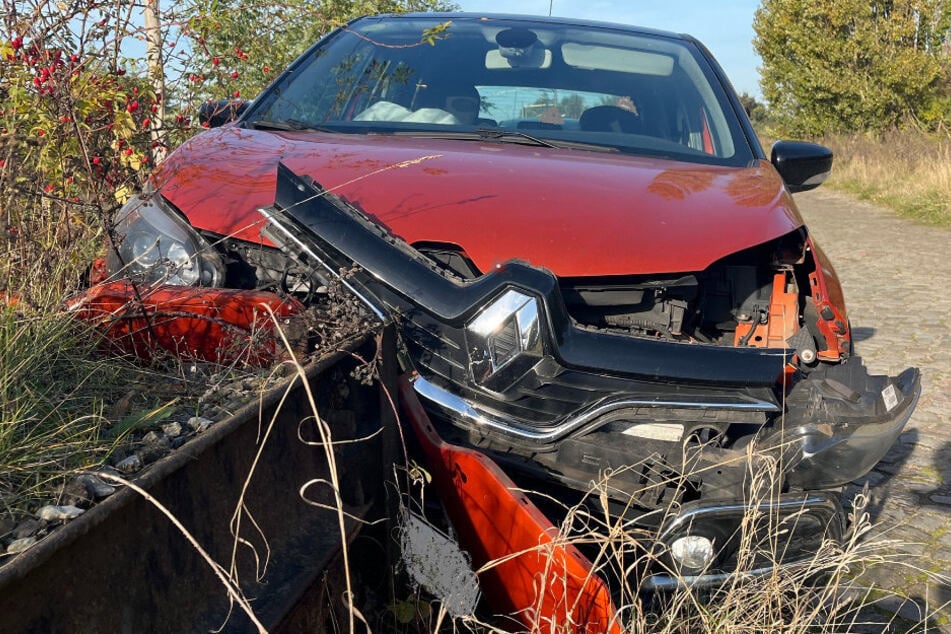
(209, 324)
(830, 303)
(546, 584)
(578, 213)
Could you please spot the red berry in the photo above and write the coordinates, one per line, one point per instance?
(234, 75)
(215, 61)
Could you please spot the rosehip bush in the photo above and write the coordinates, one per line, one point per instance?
(90, 98)
(69, 125)
(240, 46)
(75, 139)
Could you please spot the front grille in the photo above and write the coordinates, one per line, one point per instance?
(549, 393)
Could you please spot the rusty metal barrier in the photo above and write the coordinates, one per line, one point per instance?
(123, 567)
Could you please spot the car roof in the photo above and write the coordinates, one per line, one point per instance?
(536, 19)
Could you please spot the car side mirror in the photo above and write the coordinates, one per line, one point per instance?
(217, 113)
(803, 166)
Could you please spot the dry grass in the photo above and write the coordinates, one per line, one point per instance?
(53, 394)
(814, 595)
(909, 171)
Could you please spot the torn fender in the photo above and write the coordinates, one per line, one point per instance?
(207, 324)
(526, 570)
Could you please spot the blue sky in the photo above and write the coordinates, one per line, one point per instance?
(724, 26)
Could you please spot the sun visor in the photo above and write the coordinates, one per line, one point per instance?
(616, 59)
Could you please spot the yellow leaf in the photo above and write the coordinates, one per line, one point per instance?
(124, 125)
(122, 194)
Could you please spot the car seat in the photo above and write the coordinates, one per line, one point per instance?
(609, 119)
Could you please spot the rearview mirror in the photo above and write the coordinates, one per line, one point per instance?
(217, 113)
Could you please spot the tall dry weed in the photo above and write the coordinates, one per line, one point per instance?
(907, 170)
(768, 592)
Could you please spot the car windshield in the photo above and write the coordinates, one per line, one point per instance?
(546, 83)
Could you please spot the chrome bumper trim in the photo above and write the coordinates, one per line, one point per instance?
(272, 225)
(465, 411)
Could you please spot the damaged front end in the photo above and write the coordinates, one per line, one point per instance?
(660, 388)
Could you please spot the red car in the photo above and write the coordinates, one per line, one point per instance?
(597, 271)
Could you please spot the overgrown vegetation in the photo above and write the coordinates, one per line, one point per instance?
(909, 171)
(813, 595)
(53, 392)
(835, 66)
(871, 80)
(86, 109)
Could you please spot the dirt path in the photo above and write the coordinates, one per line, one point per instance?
(893, 272)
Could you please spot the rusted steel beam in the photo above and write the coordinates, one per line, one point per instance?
(123, 567)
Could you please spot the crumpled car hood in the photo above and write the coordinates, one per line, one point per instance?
(577, 213)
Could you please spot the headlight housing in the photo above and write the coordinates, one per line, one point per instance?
(154, 242)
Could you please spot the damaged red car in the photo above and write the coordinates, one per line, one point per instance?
(597, 272)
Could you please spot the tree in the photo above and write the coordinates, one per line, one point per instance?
(572, 106)
(238, 47)
(848, 65)
(756, 111)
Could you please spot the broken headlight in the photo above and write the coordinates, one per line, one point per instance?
(154, 242)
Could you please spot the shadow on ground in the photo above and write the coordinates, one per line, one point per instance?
(862, 333)
(881, 479)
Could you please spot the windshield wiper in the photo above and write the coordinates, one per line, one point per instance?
(482, 134)
(517, 136)
(499, 134)
(288, 125)
(503, 135)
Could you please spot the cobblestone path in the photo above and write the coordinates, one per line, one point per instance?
(893, 273)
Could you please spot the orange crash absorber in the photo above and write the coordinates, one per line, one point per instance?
(526, 571)
(782, 320)
(208, 324)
